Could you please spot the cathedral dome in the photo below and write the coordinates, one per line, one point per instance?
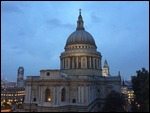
(80, 36)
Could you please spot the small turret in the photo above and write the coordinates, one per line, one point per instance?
(105, 69)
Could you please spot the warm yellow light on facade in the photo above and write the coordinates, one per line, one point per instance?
(49, 99)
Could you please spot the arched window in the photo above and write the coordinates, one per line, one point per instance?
(47, 95)
(63, 95)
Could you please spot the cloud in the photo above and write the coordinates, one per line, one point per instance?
(10, 7)
(53, 23)
(95, 18)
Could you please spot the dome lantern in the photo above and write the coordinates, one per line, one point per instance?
(80, 22)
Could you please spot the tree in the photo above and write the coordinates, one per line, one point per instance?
(114, 102)
(140, 85)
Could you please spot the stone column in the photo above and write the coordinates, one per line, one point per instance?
(70, 62)
(77, 62)
(84, 88)
(53, 95)
(62, 63)
(57, 95)
(82, 97)
(82, 62)
(90, 92)
(98, 63)
(87, 99)
(79, 94)
(87, 62)
(65, 63)
(29, 87)
(39, 94)
(92, 62)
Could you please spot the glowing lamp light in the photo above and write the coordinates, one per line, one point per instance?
(49, 99)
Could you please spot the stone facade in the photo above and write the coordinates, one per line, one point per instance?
(78, 85)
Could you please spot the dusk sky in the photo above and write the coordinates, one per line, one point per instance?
(33, 34)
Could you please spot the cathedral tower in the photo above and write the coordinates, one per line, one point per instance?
(106, 69)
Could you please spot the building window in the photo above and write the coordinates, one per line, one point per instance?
(47, 74)
(47, 95)
(74, 100)
(63, 95)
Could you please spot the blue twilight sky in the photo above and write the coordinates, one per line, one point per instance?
(34, 34)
